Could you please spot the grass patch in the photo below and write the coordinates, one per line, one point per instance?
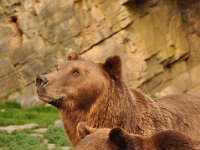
(10, 104)
(20, 140)
(11, 113)
(57, 135)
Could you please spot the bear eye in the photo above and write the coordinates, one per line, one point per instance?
(75, 73)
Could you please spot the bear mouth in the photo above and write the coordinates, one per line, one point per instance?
(55, 101)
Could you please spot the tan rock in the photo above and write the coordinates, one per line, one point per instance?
(152, 84)
(153, 68)
(181, 82)
(5, 67)
(9, 2)
(12, 128)
(195, 91)
(28, 22)
(9, 83)
(167, 91)
(178, 68)
(158, 40)
(194, 75)
(40, 130)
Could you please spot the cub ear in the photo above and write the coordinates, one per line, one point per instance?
(117, 136)
(72, 55)
(112, 66)
(83, 129)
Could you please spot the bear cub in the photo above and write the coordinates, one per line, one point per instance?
(118, 139)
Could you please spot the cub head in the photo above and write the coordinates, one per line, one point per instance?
(78, 82)
(118, 139)
(93, 138)
(106, 139)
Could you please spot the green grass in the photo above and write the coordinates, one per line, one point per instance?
(10, 104)
(12, 113)
(56, 135)
(20, 140)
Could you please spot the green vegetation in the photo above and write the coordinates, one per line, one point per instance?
(11, 113)
(20, 140)
(56, 135)
(153, 96)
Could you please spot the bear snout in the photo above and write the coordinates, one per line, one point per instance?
(41, 81)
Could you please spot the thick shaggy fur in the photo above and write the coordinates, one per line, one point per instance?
(118, 139)
(94, 93)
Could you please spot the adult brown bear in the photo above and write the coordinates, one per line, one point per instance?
(94, 92)
(118, 139)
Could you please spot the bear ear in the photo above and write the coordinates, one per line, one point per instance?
(83, 129)
(112, 66)
(117, 136)
(72, 55)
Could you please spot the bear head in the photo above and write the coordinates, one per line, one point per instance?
(78, 82)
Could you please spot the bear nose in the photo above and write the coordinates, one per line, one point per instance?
(41, 81)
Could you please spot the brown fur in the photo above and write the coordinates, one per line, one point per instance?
(118, 139)
(94, 93)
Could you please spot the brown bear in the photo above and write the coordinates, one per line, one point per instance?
(95, 93)
(118, 139)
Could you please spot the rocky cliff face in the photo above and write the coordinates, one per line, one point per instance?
(158, 40)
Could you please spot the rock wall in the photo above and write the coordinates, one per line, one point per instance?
(158, 40)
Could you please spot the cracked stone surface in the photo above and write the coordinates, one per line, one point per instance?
(158, 41)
